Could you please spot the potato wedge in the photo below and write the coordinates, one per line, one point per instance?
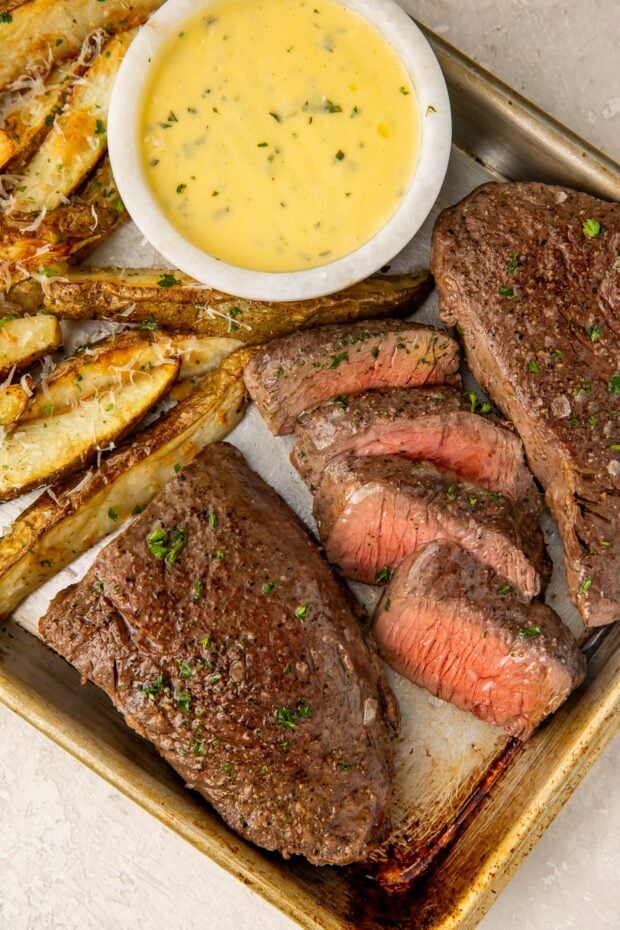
(29, 120)
(198, 355)
(13, 401)
(39, 451)
(59, 527)
(77, 139)
(175, 301)
(68, 233)
(100, 369)
(25, 339)
(43, 32)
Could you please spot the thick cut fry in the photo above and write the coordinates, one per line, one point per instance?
(13, 401)
(58, 528)
(77, 139)
(173, 300)
(68, 233)
(25, 339)
(43, 450)
(46, 31)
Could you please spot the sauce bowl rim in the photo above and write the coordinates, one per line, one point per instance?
(124, 144)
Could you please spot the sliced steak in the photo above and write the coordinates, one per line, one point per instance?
(298, 372)
(220, 633)
(433, 424)
(455, 627)
(372, 512)
(529, 274)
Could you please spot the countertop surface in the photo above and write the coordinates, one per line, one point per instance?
(77, 855)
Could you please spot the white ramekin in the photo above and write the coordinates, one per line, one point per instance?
(125, 153)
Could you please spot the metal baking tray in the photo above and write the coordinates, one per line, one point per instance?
(469, 803)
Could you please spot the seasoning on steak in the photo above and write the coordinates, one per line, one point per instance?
(453, 626)
(433, 424)
(220, 633)
(529, 273)
(298, 372)
(372, 512)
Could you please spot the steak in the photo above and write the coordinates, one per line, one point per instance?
(218, 630)
(298, 372)
(433, 424)
(455, 627)
(529, 273)
(372, 512)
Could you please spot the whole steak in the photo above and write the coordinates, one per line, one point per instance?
(529, 274)
(218, 630)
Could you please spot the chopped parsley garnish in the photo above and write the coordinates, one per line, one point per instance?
(344, 766)
(149, 323)
(375, 351)
(301, 611)
(288, 718)
(532, 366)
(185, 671)
(220, 555)
(586, 584)
(48, 410)
(154, 688)
(269, 587)
(430, 109)
(177, 468)
(477, 405)
(99, 128)
(183, 701)
(614, 384)
(340, 358)
(228, 770)
(205, 642)
(98, 587)
(592, 228)
(262, 145)
(172, 118)
(594, 332)
(213, 521)
(197, 590)
(181, 187)
(404, 91)
(332, 107)
(163, 545)
(137, 509)
(167, 280)
(340, 155)
(513, 265)
(506, 291)
(341, 401)
(6, 17)
(275, 116)
(451, 493)
(505, 589)
(384, 575)
(112, 514)
(528, 632)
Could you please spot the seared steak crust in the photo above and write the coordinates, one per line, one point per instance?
(529, 273)
(452, 625)
(241, 659)
(434, 424)
(374, 511)
(299, 371)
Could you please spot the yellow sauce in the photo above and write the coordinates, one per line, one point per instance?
(279, 135)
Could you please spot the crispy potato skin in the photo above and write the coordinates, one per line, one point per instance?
(26, 339)
(54, 531)
(188, 307)
(66, 234)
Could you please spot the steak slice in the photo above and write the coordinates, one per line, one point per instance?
(433, 424)
(298, 372)
(372, 512)
(530, 275)
(455, 627)
(218, 630)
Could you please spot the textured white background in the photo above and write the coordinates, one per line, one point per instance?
(76, 855)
